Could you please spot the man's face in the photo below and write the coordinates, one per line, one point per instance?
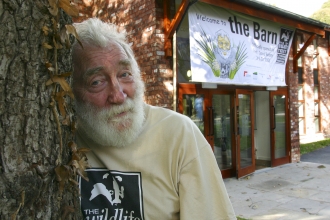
(103, 76)
(108, 95)
(224, 45)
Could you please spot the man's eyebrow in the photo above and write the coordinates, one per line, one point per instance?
(92, 71)
(125, 62)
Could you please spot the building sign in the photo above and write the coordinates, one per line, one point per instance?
(232, 48)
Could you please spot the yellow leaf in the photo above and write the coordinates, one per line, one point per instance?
(59, 97)
(51, 69)
(72, 30)
(66, 74)
(84, 150)
(59, 46)
(70, 9)
(67, 44)
(73, 146)
(48, 64)
(53, 7)
(69, 93)
(73, 127)
(60, 80)
(62, 175)
(78, 154)
(74, 182)
(66, 120)
(64, 84)
(47, 46)
(63, 35)
(80, 167)
(45, 29)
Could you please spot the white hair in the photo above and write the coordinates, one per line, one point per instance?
(98, 124)
(94, 32)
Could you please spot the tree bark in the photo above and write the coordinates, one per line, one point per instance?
(30, 144)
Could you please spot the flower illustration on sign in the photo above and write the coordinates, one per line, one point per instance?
(220, 54)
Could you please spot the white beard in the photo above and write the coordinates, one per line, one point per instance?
(104, 129)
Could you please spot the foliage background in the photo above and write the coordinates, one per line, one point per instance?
(323, 14)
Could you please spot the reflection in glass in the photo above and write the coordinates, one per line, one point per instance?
(300, 76)
(183, 51)
(316, 92)
(301, 109)
(222, 130)
(316, 76)
(316, 109)
(314, 63)
(183, 60)
(300, 93)
(317, 124)
(316, 117)
(193, 108)
(280, 145)
(244, 128)
(299, 61)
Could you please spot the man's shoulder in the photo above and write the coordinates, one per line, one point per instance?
(164, 112)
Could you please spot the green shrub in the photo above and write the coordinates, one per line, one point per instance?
(307, 148)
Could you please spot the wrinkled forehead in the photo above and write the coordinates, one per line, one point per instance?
(89, 49)
(93, 55)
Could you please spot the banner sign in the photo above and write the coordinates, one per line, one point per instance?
(227, 47)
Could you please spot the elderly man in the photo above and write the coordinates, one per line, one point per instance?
(147, 162)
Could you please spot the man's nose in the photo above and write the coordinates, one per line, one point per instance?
(116, 94)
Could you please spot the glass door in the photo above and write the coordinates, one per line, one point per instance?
(193, 107)
(212, 111)
(280, 152)
(244, 133)
(192, 103)
(224, 139)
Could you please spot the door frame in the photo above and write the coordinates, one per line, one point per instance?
(287, 158)
(230, 172)
(191, 89)
(241, 172)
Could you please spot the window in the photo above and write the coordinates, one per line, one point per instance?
(317, 121)
(182, 46)
(301, 81)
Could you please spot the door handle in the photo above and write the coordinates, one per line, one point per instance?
(232, 113)
(211, 121)
(237, 118)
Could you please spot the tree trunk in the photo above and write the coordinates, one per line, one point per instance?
(30, 140)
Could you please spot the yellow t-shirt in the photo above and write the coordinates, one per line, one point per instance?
(169, 172)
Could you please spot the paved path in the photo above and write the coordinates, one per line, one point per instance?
(296, 191)
(318, 156)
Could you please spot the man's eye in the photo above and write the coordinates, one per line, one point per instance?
(95, 83)
(124, 75)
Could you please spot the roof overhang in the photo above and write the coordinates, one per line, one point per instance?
(252, 8)
(271, 13)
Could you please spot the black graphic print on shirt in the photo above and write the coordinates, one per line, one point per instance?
(111, 195)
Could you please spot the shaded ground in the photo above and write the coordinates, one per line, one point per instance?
(319, 156)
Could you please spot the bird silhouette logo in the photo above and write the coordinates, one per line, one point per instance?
(111, 194)
(286, 35)
(114, 195)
